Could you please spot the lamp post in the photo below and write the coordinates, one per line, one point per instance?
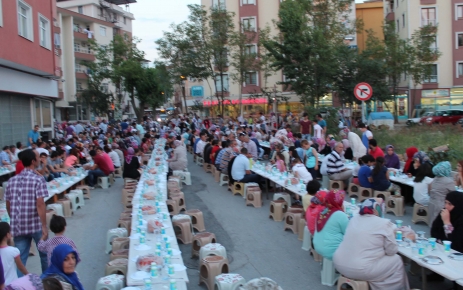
(183, 93)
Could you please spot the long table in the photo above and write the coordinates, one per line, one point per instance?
(65, 184)
(6, 171)
(135, 250)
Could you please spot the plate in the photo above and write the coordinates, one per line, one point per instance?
(140, 275)
(142, 247)
(179, 267)
(433, 260)
(456, 256)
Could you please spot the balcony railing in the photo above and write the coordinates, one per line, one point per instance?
(425, 22)
(431, 79)
(83, 50)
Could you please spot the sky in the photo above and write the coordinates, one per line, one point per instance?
(152, 17)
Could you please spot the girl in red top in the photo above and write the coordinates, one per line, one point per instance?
(215, 148)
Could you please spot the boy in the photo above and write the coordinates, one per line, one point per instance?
(57, 226)
(10, 256)
(312, 188)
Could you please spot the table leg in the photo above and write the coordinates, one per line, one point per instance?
(423, 278)
(55, 198)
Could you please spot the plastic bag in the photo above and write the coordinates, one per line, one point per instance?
(144, 262)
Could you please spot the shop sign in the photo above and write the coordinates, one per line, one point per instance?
(197, 92)
(236, 102)
(437, 93)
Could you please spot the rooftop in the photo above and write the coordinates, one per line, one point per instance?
(121, 2)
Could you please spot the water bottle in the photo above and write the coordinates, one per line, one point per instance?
(173, 285)
(147, 284)
(154, 271)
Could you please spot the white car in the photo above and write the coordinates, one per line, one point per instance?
(422, 119)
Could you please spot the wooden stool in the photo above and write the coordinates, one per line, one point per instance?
(111, 282)
(365, 193)
(67, 207)
(353, 190)
(77, 200)
(120, 244)
(49, 215)
(207, 167)
(85, 189)
(182, 230)
(111, 235)
(209, 268)
(282, 196)
(417, 217)
(229, 281)
(172, 206)
(336, 184)
(382, 194)
(199, 240)
(278, 209)
(292, 219)
(223, 179)
(302, 225)
(355, 284)
(254, 197)
(57, 207)
(117, 266)
(395, 204)
(212, 249)
(197, 219)
(125, 223)
(237, 188)
(180, 201)
(217, 174)
(118, 254)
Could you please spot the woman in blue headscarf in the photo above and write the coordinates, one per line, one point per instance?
(63, 266)
(439, 188)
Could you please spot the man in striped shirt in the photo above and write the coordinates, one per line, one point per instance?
(229, 153)
(335, 166)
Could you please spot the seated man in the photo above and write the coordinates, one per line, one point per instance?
(335, 166)
(101, 167)
(199, 150)
(241, 171)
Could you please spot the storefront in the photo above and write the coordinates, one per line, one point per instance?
(378, 106)
(442, 99)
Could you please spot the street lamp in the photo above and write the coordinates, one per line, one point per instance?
(183, 92)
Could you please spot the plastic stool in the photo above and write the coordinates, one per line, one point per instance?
(212, 249)
(76, 201)
(416, 217)
(365, 193)
(199, 240)
(301, 226)
(125, 223)
(197, 219)
(395, 204)
(111, 282)
(130, 181)
(172, 206)
(207, 167)
(325, 181)
(292, 219)
(353, 190)
(336, 184)
(217, 175)
(111, 235)
(223, 179)
(329, 276)
(118, 254)
(182, 228)
(120, 244)
(103, 182)
(306, 240)
(249, 186)
(278, 209)
(111, 178)
(180, 201)
(118, 172)
(117, 266)
(382, 194)
(67, 207)
(254, 197)
(80, 195)
(229, 281)
(355, 284)
(57, 207)
(175, 179)
(49, 215)
(261, 283)
(237, 188)
(185, 176)
(282, 196)
(209, 268)
(85, 189)
(199, 161)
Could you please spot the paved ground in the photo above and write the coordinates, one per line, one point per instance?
(256, 245)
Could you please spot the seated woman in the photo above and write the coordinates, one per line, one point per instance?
(131, 165)
(317, 204)
(421, 184)
(376, 260)
(63, 267)
(72, 159)
(459, 175)
(408, 167)
(331, 225)
(391, 159)
(380, 178)
(179, 159)
(448, 226)
(439, 188)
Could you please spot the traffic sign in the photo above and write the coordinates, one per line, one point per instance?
(363, 91)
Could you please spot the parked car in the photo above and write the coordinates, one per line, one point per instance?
(445, 117)
(419, 120)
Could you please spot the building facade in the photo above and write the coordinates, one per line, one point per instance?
(371, 14)
(80, 21)
(28, 69)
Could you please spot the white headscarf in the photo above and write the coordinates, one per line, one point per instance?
(358, 149)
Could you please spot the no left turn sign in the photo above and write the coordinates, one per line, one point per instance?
(363, 91)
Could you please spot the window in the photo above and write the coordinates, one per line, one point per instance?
(57, 40)
(79, 87)
(219, 84)
(433, 76)
(77, 46)
(398, 25)
(1, 14)
(251, 78)
(218, 4)
(44, 32)
(80, 9)
(460, 39)
(125, 20)
(428, 16)
(102, 31)
(459, 11)
(433, 45)
(223, 58)
(78, 67)
(249, 24)
(43, 115)
(250, 49)
(460, 69)
(248, 2)
(25, 28)
(403, 20)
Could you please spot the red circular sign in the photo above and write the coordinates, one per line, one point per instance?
(363, 91)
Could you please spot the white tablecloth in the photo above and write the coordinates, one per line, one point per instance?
(71, 181)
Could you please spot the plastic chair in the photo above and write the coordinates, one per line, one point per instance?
(120, 244)
(254, 198)
(237, 188)
(365, 193)
(302, 225)
(292, 219)
(85, 189)
(306, 240)
(118, 172)
(217, 174)
(336, 184)
(185, 176)
(67, 207)
(261, 283)
(199, 161)
(125, 223)
(182, 229)
(172, 207)
(250, 186)
(118, 254)
(353, 190)
(76, 201)
(49, 214)
(395, 204)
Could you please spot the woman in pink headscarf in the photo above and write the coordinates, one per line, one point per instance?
(131, 165)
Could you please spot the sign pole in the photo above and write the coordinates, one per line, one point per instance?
(363, 112)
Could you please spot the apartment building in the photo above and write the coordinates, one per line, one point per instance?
(256, 14)
(371, 14)
(28, 68)
(444, 88)
(80, 21)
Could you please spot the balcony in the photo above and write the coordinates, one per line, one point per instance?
(81, 74)
(79, 34)
(83, 54)
(390, 16)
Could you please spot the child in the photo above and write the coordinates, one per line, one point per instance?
(280, 162)
(313, 187)
(379, 178)
(10, 256)
(57, 226)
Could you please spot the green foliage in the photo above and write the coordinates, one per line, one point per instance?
(331, 117)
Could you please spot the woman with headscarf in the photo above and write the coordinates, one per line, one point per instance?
(63, 266)
(448, 226)
(131, 165)
(179, 159)
(439, 188)
(368, 251)
(348, 154)
(317, 204)
(408, 167)
(358, 149)
(391, 159)
(330, 225)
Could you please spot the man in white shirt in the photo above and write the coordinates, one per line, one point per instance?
(114, 156)
(201, 144)
(317, 130)
(301, 172)
(241, 171)
(103, 126)
(41, 148)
